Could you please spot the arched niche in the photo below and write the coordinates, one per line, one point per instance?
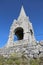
(19, 33)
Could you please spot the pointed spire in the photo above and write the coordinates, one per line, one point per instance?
(22, 13)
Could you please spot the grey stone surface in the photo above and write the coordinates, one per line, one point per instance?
(41, 55)
(41, 43)
(28, 51)
(35, 56)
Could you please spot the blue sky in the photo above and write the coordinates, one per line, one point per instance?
(10, 9)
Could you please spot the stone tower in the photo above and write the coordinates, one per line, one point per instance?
(22, 28)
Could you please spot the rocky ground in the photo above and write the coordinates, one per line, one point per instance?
(22, 54)
(29, 50)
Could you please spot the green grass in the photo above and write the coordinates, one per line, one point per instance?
(34, 62)
(15, 60)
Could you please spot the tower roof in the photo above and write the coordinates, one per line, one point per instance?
(22, 12)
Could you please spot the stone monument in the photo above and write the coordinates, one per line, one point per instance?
(22, 28)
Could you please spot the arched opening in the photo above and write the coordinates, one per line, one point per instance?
(19, 33)
(15, 38)
(31, 31)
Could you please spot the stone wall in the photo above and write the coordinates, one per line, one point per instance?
(33, 50)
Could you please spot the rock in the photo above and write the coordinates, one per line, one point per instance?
(38, 47)
(35, 56)
(34, 51)
(18, 50)
(30, 55)
(40, 55)
(41, 43)
(41, 50)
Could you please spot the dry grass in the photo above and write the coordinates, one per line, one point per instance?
(15, 60)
